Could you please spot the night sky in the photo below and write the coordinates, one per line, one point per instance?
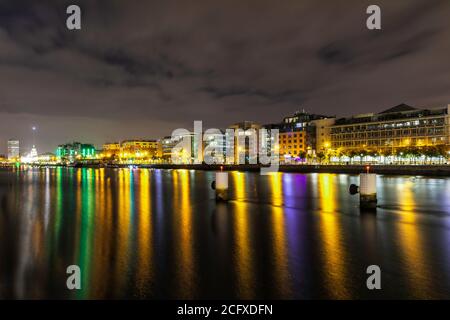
(139, 69)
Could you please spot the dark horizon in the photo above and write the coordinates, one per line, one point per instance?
(140, 70)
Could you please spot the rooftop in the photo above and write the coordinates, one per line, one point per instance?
(401, 111)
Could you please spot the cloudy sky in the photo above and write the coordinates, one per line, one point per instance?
(139, 69)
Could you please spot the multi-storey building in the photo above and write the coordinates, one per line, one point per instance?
(292, 144)
(245, 144)
(214, 147)
(303, 122)
(167, 144)
(140, 149)
(400, 126)
(182, 148)
(323, 134)
(110, 150)
(75, 150)
(13, 149)
(298, 135)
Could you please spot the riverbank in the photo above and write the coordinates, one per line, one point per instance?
(419, 170)
(410, 170)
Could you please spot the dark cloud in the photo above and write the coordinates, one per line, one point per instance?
(143, 68)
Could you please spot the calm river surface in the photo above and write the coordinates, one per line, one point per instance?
(160, 234)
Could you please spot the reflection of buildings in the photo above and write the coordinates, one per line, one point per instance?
(400, 126)
(13, 149)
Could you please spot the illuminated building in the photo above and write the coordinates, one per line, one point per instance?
(214, 147)
(245, 151)
(167, 144)
(13, 149)
(140, 150)
(398, 127)
(111, 147)
(292, 144)
(110, 150)
(30, 157)
(298, 135)
(47, 157)
(76, 150)
(139, 145)
(185, 148)
(303, 122)
(323, 134)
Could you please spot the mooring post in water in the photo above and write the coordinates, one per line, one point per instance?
(221, 186)
(368, 191)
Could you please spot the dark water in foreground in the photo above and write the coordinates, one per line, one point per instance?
(160, 234)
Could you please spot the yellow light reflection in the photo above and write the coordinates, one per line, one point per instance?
(276, 188)
(145, 265)
(333, 253)
(280, 256)
(123, 229)
(244, 257)
(411, 243)
(185, 253)
(103, 232)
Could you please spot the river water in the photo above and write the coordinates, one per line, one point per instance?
(142, 234)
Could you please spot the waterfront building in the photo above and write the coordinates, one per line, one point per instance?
(167, 144)
(76, 150)
(292, 145)
(30, 157)
(110, 151)
(13, 149)
(140, 150)
(216, 146)
(392, 130)
(303, 122)
(245, 145)
(323, 134)
(46, 158)
(186, 148)
(298, 135)
(112, 147)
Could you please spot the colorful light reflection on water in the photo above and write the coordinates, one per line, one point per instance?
(160, 234)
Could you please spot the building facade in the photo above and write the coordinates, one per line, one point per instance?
(13, 149)
(144, 150)
(244, 146)
(398, 127)
(292, 145)
(323, 134)
(301, 135)
(303, 122)
(75, 151)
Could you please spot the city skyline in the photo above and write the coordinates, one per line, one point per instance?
(278, 122)
(143, 68)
